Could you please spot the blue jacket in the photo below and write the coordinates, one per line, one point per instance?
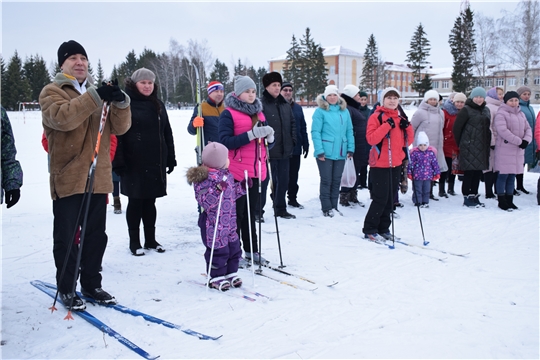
(210, 112)
(531, 119)
(331, 130)
(302, 141)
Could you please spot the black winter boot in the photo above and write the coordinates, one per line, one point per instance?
(150, 240)
(503, 204)
(510, 201)
(117, 205)
(519, 180)
(135, 242)
(344, 199)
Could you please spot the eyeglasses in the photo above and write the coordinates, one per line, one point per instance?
(287, 90)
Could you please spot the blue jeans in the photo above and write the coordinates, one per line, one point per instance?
(505, 184)
(330, 172)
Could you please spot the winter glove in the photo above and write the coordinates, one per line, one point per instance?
(105, 91)
(350, 154)
(198, 122)
(306, 151)
(321, 157)
(259, 132)
(492, 147)
(404, 123)
(117, 94)
(249, 183)
(170, 169)
(391, 122)
(436, 177)
(222, 186)
(12, 197)
(524, 144)
(270, 137)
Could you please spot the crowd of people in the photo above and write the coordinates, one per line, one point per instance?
(249, 144)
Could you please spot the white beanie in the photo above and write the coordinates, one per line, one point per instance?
(422, 138)
(431, 94)
(331, 89)
(460, 97)
(350, 90)
(390, 89)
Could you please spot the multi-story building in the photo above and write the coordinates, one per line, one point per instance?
(344, 65)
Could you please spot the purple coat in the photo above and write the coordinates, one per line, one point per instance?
(512, 127)
(423, 165)
(205, 182)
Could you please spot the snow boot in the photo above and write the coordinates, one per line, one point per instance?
(503, 204)
(477, 200)
(294, 203)
(77, 305)
(328, 213)
(150, 240)
(219, 283)
(344, 199)
(235, 280)
(510, 201)
(100, 295)
(257, 257)
(117, 205)
(353, 198)
(135, 243)
(469, 201)
(375, 238)
(519, 180)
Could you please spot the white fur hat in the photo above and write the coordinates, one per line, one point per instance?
(350, 90)
(431, 94)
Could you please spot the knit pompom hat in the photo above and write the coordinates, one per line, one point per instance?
(213, 86)
(215, 155)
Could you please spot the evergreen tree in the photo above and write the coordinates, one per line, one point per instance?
(220, 73)
(314, 68)
(16, 87)
(100, 75)
(370, 70)
(424, 85)
(54, 69)
(91, 76)
(417, 56)
(463, 50)
(126, 68)
(240, 69)
(35, 71)
(292, 68)
(3, 74)
(259, 74)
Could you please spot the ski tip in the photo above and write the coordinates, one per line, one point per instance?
(426, 243)
(69, 316)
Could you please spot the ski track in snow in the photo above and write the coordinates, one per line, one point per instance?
(387, 304)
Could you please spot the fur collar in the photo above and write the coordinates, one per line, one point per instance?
(450, 107)
(323, 104)
(232, 101)
(197, 174)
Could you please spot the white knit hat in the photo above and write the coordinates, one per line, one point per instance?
(431, 94)
(460, 97)
(350, 90)
(390, 89)
(422, 138)
(331, 89)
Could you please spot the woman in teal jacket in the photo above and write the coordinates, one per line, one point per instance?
(333, 140)
(524, 93)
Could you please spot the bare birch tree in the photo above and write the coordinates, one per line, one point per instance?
(487, 45)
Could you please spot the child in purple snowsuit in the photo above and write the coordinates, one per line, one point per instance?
(423, 168)
(210, 180)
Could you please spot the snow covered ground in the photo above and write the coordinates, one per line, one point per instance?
(401, 303)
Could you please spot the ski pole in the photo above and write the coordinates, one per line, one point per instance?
(214, 240)
(420, 216)
(391, 186)
(88, 195)
(260, 209)
(249, 222)
(269, 165)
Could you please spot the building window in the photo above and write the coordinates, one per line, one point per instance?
(500, 81)
(435, 84)
(512, 82)
(392, 76)
(522, 81)
(445, 84)
(537, 80)
(332, 70)
(489, 82)
(410, 78)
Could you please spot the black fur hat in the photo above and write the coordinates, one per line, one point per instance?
(272, 78)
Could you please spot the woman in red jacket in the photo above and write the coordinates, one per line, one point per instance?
(386, 132)
(450, 148)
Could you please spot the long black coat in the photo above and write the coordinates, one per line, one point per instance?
(146, 150)
(359, 123)
(473, 136)
(279, 116)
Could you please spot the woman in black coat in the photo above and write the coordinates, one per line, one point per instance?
(144, 157)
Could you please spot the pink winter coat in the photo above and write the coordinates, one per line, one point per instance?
(512, 127)
(537, 131)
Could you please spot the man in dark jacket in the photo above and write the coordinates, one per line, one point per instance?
(301, 147)
(279, 116)
(12, 174)
(211, 108)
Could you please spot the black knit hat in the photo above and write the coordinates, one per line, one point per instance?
(287, 84)
(69, 48)
(510, 95)
(272, 78)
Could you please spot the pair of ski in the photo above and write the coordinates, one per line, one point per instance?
(234, 292)
(281, 271)
(50, 290)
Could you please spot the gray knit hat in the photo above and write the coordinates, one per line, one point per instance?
(243, 83)
(143, 74)
(520, 90)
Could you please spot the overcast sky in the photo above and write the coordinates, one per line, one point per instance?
(252, 31)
